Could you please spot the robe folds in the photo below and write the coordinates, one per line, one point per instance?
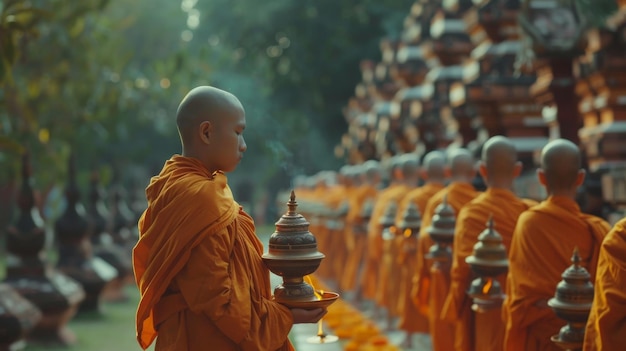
(606, 326)
(199, 270)
(543, 242)
(432, 282)
(336, 246)
(356, 242)
(410, 319)
(389, 277)
(471, 221)
(369, 281)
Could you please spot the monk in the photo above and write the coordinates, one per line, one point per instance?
(390, 274)
(369, 278)
(433, 174)
(498, 167)
(544, 239)
(327, 193)
(366, 181)
(340, 206)
(431, 287)
(198, 261)
(606, 326)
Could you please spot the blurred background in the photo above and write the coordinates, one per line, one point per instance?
(103, 78)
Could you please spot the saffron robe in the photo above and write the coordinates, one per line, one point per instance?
(410, 319)
(389, 276)
(356, 239)
(431, 284)
(369, 282)
(543, 243)
(505, 208)
(336, 250)
(606, 326)
(199, 270)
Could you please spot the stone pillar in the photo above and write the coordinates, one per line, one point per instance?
(17, 317)
(103, 244)
(55, 294)
(75, 248)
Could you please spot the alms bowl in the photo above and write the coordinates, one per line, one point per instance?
(328, 297)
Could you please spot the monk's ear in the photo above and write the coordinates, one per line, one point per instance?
(205, 130)
(580, 178)
(482, 170)
(517, 170)
(423, 174)
(542, 177)
(447, 172)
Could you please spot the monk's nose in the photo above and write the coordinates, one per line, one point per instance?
(243, 147)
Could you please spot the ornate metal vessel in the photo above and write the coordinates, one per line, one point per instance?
(293, 254)
(441, 231)
(572, 302)
(388, 221)
(409, 227)
(488, 261)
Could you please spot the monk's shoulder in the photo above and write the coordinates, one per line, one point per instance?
(528, 222)
(599, 222)
(212, 194)
(614, 244)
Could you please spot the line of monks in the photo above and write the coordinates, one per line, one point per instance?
(345, 209)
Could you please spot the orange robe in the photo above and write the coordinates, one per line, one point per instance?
(431, 284)
(410, 319)
(334, 249)
(356, 241)
(199, 269)
(369, 280)
(543, 242)
(338, 250)
(324, 196)
(389, 277)
(471, 221)
(606, 327)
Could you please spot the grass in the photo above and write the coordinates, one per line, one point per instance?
(114, 328)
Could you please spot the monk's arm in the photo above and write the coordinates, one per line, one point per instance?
(213, 284)
(529, 291)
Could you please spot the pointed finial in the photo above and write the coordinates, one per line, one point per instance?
(26, 168)
(292, 204)
(576, 257)
(490, 222)
(71, 168)
(445, 199)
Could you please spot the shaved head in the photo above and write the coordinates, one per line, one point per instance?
(371, 169)
(561, 164)
(434, 164)
(409, 164)
(499, 158)
(461, 164)
(201, 104)
(210, 123)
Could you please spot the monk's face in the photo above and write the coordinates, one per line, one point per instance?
(228, 144)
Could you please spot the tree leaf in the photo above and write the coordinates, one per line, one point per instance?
(9, 144)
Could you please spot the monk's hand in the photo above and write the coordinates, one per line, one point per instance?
(307, 316)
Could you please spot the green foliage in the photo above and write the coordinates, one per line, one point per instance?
(303, 57)
(103, 79)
